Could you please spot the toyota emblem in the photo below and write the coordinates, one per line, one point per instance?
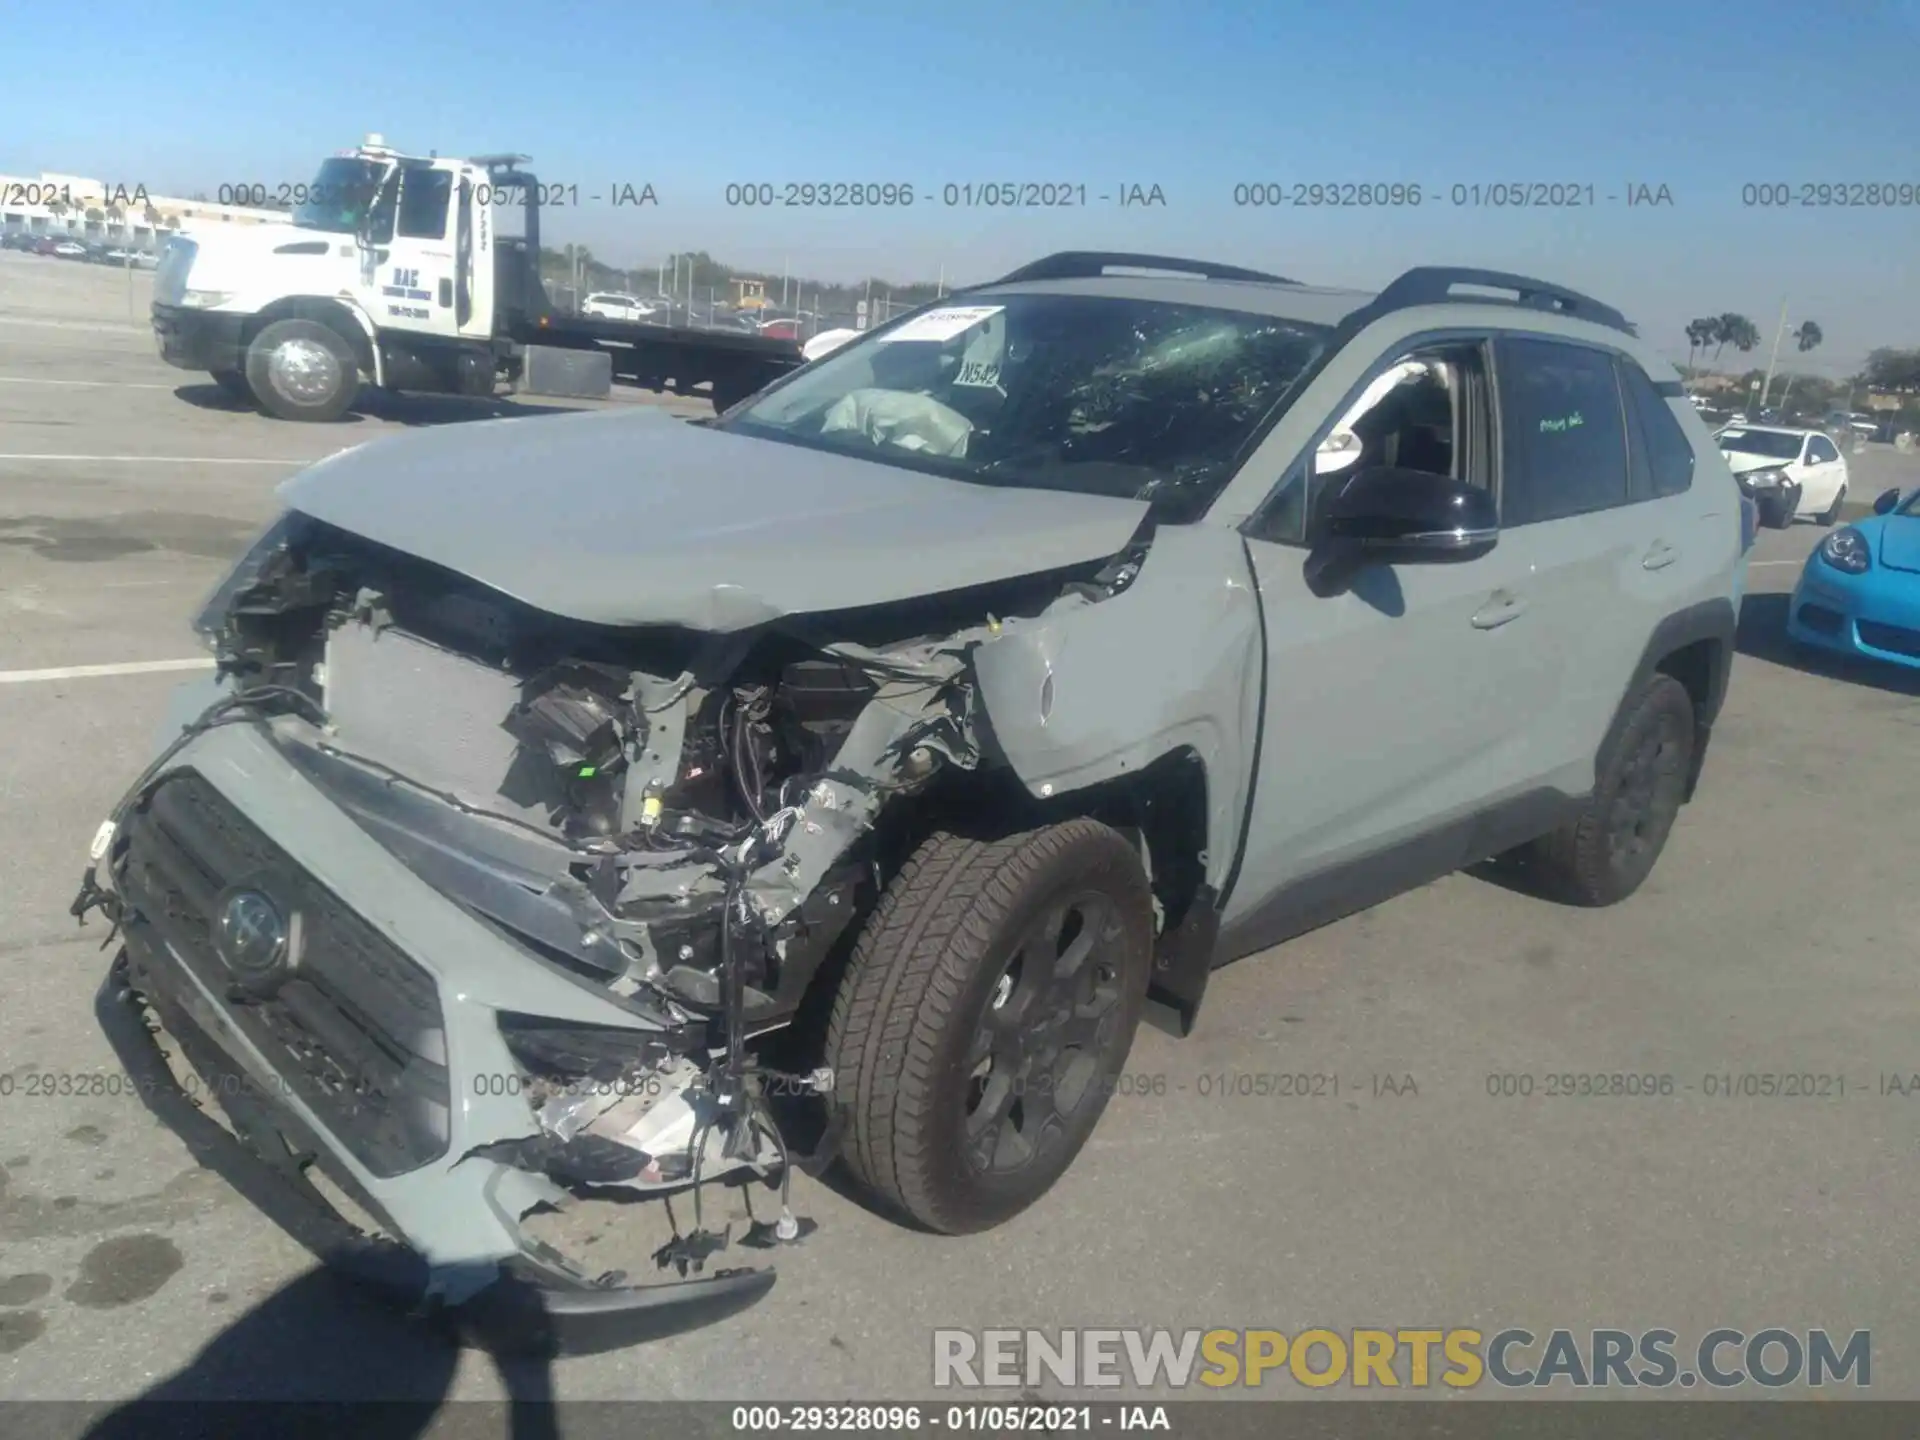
(253, 939)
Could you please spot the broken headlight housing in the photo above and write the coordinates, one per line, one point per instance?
(211, 618)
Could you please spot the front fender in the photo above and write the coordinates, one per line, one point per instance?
(1090, 693)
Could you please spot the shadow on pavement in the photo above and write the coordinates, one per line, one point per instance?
(1763, 635)
(212, 397)
(311, 1350)
(394, 409)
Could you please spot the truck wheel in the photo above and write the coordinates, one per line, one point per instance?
(302, 370)
(988, 1005)
(233, 385)
(1603, 854)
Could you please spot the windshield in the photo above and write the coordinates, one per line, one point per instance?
(338, 199)
(1770, 443)
(1131, 398)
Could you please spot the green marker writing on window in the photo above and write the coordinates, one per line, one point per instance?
(1565, 422)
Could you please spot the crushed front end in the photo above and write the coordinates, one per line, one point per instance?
(452, 909)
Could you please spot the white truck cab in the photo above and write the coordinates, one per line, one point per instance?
(395, 269)
(388, 270)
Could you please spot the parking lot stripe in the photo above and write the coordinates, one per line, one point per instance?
(1759, 564)
(109, 328)
(86, 384)
(91, 672)
(156, 459)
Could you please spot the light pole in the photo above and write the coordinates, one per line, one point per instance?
(1767, 387)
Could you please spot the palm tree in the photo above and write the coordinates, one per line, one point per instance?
(1804, 339)
(1700, 334)
(1737, 331)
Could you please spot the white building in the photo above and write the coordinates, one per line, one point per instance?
(88, 209)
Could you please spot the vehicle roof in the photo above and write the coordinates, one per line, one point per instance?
(1312, 304)
(1321, 305)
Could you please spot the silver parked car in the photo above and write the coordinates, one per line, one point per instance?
(610, 804)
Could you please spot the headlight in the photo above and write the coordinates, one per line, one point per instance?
(1847, 550)
(205, 299)
(1759, 479)
(211, 618)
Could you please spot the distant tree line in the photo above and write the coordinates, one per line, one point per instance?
(700, 275)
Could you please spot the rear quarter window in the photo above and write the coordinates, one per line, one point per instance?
(1663, 445)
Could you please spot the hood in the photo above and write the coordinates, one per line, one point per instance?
(638, 518)
(1898, 544)
(256, 263)
(1741, 462)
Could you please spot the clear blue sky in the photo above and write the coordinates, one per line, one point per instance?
(1702, 96)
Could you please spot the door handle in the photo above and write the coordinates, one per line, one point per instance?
(1500, 608)
(1659, 555)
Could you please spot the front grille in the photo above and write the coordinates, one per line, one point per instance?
(1895, 639)
(356, 1031)
(1821, 620)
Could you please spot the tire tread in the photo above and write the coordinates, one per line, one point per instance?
(933, 926)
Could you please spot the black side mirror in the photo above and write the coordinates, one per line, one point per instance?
(1409, 517)
(1888, 499)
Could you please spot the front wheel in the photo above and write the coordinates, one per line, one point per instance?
(302, 370)
(1831, 515)
(984, 1017)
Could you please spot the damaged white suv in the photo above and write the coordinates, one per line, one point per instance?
(613, 805)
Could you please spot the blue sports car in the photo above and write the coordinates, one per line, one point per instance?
(1860, 591)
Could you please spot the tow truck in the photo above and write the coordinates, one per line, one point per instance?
(396, 270)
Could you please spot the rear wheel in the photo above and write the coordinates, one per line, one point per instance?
(1603, 854)
(1831, 514)
(302, 370)
(985, 1013)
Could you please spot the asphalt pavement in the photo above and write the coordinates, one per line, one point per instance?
(1778, 936)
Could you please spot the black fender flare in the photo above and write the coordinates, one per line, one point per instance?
(1713, 624)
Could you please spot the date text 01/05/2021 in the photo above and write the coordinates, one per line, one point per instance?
(967, 195)
(287, 195)
(1478, 195)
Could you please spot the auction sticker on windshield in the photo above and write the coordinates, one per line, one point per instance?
(942, 324)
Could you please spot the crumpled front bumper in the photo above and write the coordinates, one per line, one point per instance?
(465, 1254)
(535, 1302)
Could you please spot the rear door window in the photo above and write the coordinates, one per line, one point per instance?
(1564, 437)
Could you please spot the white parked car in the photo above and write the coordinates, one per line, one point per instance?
(1790, 473)
(70, 250)
(611, 305)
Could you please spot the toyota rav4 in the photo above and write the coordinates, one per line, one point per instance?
(610, 805)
